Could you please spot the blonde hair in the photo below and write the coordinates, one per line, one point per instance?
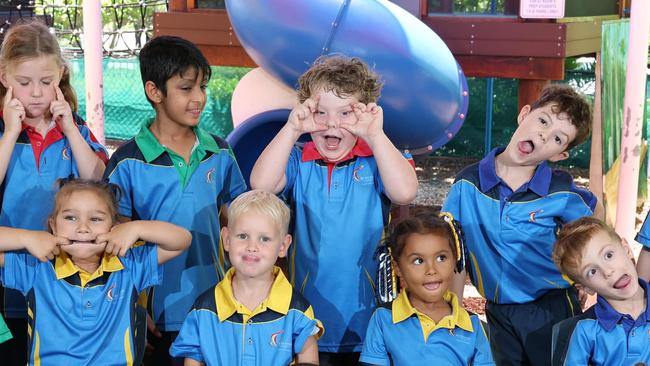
(263, 202)
(108, 192)
(32, 39)
(572, 240)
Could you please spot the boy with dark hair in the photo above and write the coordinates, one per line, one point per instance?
(339, 186)
(510, 205)
(174, 171)
(614, 331)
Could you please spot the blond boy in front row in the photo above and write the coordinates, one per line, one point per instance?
(616, 330)
(253, 316)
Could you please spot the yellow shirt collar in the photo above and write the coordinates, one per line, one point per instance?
(279, 298)
(402, 310)
(64, 267)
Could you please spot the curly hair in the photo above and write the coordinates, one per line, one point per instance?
(345, 76)
(565, 99)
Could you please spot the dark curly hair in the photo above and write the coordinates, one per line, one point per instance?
(345, 76)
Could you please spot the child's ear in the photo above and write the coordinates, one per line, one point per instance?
(3, 80)
(284, 247)
(627, 248)
(581, 287)
(50, 223)
(559, 156)
(153, 92)
(523, 113)
(225, 239)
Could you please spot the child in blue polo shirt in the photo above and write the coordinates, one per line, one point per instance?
(426, 322)
(511, 205)
(41, 139)
(253, 316)
(175, 171)
(82, 279)
(339, 186)
(615, 331)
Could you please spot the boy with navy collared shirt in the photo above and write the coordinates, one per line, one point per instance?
(510, 205)
(174, 171)
(254, 316)
(615, 330)
(339, 186)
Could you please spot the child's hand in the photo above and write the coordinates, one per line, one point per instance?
(13, 113)
(302, 119)
(120, 238)
(61, 112)
(370, 121)
(43, 245)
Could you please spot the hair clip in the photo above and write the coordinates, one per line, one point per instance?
(386, 281)
(459, 239)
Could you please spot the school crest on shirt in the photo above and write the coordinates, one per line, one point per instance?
(209, 176)
(276, 341)
(110, 293)
(65, 153)
(362, 175)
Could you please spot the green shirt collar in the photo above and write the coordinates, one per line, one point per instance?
(152, 148)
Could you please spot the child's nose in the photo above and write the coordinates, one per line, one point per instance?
(37, 90)
(542, 137)
(332, 121)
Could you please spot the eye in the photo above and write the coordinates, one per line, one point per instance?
(542, 121)
(609, 254)
(23, 83)
(418, 260)
(97, 219)
(558, 140)
(47, 82)
(204, 86)
(591, 272)
(70, 217)
(441, 258)
(241, 236)
(265, 239)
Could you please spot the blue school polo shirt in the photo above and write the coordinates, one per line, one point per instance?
(160, 186)
(339, 214)
(71, 323)
(219, 330)
(400, 335)
(643, 236)
(605, 337)
(27, 192)
(510, 235)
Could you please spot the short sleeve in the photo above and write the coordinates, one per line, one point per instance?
(482, 352)
(187, 344)
(291, 172)
(91, 140)
(452, 201)
(304, 327)
(581, 202)
(117, 172)
(643, 236)
(374, 349)
(19, 271)
(233, 183)
(142, 263)
(580, 348)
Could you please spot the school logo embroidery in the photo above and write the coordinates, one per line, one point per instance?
(531, 216)
(209, 177)
(65, 153)
(274, 338)
(109, 293)
(355, 173)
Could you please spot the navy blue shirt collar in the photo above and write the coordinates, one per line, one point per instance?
(608, 317)
(539, 183)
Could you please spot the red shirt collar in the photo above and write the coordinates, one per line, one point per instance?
(360, 148)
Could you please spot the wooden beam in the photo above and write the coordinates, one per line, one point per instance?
(227, 56)
(529, 91)
(513, 67)
(177, 5)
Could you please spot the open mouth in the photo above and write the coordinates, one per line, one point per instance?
(622, 282)
(432, 286)
(83, 242)
(250, 259)
(332, 142)
(526, 147)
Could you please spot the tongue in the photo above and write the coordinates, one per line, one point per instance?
(622, 282)
(332, 142)
(526, 147)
